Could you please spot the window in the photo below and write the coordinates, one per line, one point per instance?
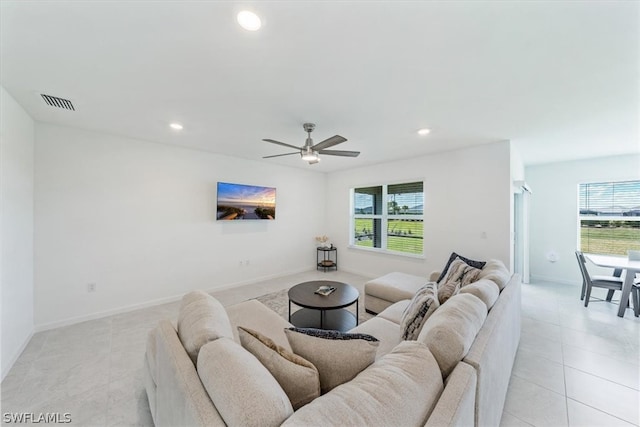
(609, 217)
(396, 208)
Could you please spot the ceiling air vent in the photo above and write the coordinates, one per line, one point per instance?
(54, 101)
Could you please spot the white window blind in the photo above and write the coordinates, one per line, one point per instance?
(609, 217)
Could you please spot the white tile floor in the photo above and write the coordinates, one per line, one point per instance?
(575, 366)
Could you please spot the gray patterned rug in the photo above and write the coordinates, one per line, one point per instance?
(279, 302)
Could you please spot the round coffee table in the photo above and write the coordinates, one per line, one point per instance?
(323, 312)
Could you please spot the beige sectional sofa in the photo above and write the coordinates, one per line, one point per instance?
(455, 374)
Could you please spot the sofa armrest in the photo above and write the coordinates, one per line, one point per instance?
(456, 406)
(434, 275)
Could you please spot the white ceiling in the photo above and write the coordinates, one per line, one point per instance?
(559, 79)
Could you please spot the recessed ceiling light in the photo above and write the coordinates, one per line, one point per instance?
(176, 126)
(249, 20)
(424, 131)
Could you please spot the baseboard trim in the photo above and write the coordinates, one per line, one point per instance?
(125, 309)
(17, 355)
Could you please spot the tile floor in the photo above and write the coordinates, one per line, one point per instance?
(575, 366)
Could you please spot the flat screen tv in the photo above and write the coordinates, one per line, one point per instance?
(239, 202)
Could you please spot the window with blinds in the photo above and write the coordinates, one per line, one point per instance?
(389, 218)
(609, 217)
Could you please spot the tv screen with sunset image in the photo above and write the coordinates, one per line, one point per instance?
(238, 202)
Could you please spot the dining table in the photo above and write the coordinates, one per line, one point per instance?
(632, 267)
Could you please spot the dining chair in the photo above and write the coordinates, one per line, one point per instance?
(635, 297)
(612, 283)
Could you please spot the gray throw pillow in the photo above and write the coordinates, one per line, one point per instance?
(338, 356)
(422, 305)
(297, 376)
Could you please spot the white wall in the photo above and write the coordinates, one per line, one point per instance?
(467, 192)
(138, 219)
(16, 212)
(554, 210)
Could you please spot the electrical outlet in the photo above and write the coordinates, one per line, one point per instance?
(246, 262)
(91, 287)
(240, 264)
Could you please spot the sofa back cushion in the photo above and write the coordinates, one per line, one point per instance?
(496, 271)
(297, 376)
(201, 319)
(486, 290)
(451, 330)
(243, 391)
(407, 381)
(338, 356)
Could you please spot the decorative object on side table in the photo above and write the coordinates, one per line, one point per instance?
(322, 241)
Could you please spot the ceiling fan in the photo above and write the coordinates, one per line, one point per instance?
(311, 153)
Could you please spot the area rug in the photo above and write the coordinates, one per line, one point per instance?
(279, 302)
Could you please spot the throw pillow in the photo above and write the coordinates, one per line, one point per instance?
(297, 376)
(338, 356)
(472, 263)
(201, 319)
(422, 305)
(242, 390)
(447, 290)
(461, 273)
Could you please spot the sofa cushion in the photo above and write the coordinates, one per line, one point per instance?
(422, 305)
(451, 330)
(297, 376)
(386, 331)
(496, 271)
(486, 290)
(395, 311)
(201, 319)
(243, 391)
(472, 263)
(254, 315)
(338, 356)
(407, 380)
(394, 286)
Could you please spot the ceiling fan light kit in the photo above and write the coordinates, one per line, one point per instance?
(311, 153)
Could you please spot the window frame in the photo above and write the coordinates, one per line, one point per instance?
(384, 218)
(602, 218)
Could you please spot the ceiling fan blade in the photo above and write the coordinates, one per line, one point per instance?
(340, 153)
(280, 155)
(273, 141)
(329, 142)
